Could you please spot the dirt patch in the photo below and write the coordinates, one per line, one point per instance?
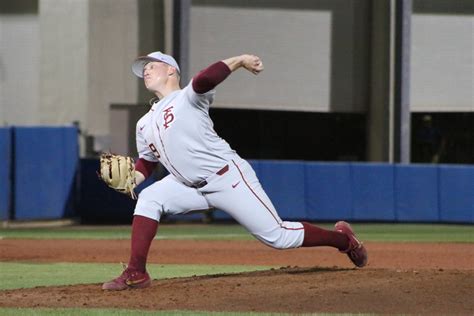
(381, 255)
(402, 278)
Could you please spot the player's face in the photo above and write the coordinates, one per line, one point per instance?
(155, 74)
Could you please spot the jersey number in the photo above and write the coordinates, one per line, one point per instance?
(153, 149)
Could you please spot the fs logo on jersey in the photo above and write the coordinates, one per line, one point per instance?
(168, 116)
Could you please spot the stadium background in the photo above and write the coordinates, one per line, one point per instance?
(325, 125)
(364, 112)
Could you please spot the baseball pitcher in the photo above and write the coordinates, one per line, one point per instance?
(204, 171)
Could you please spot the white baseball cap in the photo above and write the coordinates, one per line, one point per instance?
(140, 62)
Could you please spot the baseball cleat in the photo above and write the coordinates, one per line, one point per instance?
(129, 279)
(356, 250)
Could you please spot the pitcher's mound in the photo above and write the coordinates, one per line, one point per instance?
(290, 289)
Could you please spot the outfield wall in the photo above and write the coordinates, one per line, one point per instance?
(369, 192)
(317, 191)
(38, 172)
(42, 177)
(5, 172)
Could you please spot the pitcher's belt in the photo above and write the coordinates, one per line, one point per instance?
(204, 182)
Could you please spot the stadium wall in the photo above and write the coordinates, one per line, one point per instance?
(42, 177)
(38, 172)
(325, 191)
(5, 172)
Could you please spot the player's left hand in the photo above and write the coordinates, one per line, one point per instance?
(253, 64)
(118, 172)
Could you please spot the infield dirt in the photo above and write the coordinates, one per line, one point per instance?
(401, 278)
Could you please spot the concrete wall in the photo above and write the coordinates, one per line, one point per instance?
(69, 60)
(315, 52)
(64, 51)
(86, 49)
(442, 61)
(19, 62)
(113, 38)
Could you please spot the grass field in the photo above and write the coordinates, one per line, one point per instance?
(36, 274)
(369, 232)
(48, 274)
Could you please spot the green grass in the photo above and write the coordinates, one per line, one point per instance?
(26, 275)
(366, 232)
(167, 231)
(415, 232)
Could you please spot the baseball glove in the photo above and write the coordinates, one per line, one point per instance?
(118, 172)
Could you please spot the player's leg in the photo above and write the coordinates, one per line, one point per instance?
(248, 203)
(165, 196)
(240, 194)
(343, 238)
(244, 200)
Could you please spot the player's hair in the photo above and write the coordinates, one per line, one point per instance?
(153, 100)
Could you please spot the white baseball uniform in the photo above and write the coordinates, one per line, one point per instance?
(205, 172)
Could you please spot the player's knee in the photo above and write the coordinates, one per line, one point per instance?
(146, 193)
(280, 239)
(276, 244)
(148, 205)
(280, 244)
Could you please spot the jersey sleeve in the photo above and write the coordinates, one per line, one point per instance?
(143, 150)
(199, 100)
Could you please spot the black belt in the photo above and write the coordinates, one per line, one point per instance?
(204, 182)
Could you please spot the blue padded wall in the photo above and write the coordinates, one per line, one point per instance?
(317, 191)
(46, 160)
(5, 169)
(328, 191)
(284, 183)
(416, 193)
(97, 202)
(373, 192)
(456, 193)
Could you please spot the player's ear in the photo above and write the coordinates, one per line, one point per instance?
(171, 71)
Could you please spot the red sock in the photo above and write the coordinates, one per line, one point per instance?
(143, 231)
(315, 236)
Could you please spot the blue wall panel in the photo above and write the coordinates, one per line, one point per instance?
(285, 186)
(456, 192)
(373, 192)
(416, 193)
(5, 172)
(97, 202)
(328, 191)
(255, 166)
(46, 159)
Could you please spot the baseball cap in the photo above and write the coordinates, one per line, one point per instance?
(140, 62)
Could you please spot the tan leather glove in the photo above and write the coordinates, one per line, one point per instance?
(118, 172)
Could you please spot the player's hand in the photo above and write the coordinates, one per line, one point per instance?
(252, 63)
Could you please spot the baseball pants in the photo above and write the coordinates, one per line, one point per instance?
(237, 192)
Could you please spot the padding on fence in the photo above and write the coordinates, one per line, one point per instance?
(45, 165)
(5, 172)
(325, 191)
